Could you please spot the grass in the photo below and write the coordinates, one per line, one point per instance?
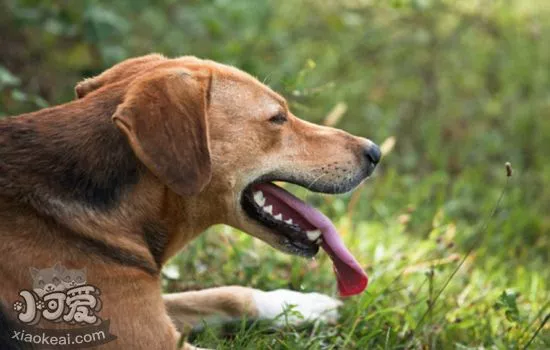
(436, 290)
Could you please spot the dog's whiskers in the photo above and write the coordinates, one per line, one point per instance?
(314, 181)
(311, 184)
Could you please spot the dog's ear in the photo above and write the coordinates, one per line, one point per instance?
(164, 118)
(124, 70)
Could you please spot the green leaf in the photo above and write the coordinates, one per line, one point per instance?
(508, 302)
(7, 78)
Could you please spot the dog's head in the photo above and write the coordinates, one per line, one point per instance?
(214, 133)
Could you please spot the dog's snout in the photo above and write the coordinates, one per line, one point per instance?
(373, 153)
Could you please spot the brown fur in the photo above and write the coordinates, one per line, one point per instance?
(152, 153)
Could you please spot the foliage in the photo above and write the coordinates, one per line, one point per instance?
(461, 87)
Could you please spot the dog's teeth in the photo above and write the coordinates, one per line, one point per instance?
(259, 198)
(278, 217)
(289, 221)
(313, 235)
(269, 209)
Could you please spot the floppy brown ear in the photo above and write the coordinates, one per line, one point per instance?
(164, 118)
(124, 70)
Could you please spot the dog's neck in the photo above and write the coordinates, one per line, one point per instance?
(73, 168)
(73, 149)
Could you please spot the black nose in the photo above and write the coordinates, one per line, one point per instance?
(373, 154)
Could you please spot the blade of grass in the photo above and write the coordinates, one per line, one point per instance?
(475, 244)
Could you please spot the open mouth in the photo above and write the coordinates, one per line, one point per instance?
(275, 208)
(302, 229)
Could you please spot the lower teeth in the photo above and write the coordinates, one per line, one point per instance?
(313, 235)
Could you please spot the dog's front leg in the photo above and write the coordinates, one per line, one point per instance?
(189, 309)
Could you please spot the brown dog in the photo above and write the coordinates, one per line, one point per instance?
(152, 153)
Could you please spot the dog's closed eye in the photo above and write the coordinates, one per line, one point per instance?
(279, 118)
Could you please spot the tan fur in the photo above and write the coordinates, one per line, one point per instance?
(189, 308)
(199, 132)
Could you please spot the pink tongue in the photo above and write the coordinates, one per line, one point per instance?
(352, 279)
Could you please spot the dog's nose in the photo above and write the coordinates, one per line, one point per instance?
(373, 153)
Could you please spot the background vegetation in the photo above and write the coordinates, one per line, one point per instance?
(458, 88)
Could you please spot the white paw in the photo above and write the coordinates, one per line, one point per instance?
(284, 306)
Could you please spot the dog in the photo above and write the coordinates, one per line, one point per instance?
(151, 153)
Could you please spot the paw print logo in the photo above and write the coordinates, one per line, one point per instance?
(40, 305)
(18, 306)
